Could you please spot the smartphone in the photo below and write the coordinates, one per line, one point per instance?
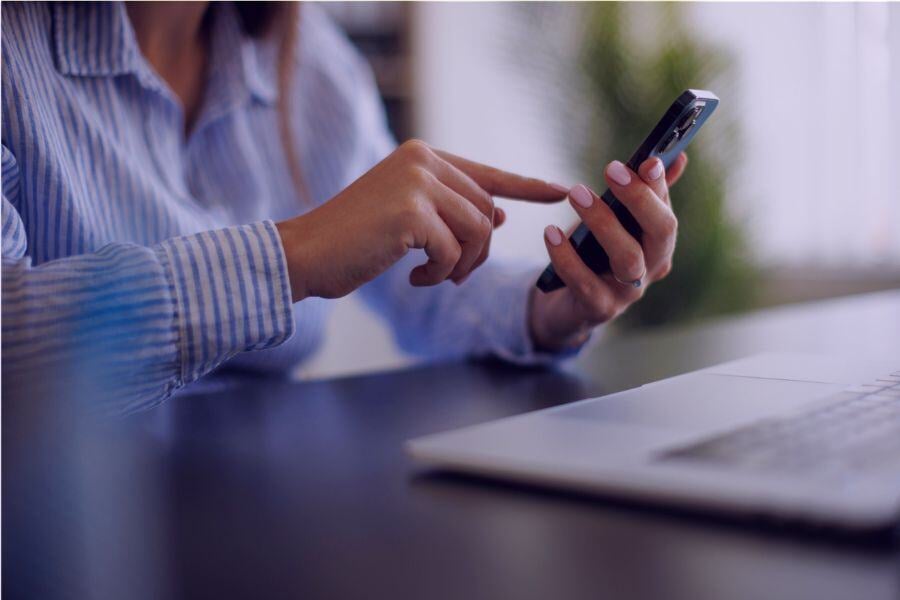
(670, 136)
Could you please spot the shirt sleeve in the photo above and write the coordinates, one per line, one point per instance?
(485, 316)
(138, 322)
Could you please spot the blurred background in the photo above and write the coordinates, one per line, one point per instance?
(791, 194)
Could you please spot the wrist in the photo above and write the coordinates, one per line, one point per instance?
(547, 335)
(297, 256)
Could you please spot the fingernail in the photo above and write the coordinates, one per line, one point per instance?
(618, 173)
(582, 196)
(656, 170)
(559, 187)
(553, 234)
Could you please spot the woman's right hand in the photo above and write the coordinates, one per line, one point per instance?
(417, 197)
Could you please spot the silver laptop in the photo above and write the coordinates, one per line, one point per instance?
(787, 436)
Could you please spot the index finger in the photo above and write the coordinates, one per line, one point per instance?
(508, 185)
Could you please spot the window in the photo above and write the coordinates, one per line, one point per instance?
(819, 95)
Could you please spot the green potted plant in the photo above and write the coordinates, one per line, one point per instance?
(629, 84)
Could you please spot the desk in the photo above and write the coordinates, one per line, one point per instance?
(271, 489)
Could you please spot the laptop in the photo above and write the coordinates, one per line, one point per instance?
(791, 437)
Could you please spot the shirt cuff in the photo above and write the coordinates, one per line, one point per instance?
(511, 313)
(232, 293)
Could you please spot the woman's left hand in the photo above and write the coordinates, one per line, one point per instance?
(564, 318)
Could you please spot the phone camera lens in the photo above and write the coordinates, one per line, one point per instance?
(670, 141)
(681, 129)
(689, 120)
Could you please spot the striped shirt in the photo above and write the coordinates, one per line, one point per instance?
(150, 257)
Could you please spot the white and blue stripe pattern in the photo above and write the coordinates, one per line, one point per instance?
(126, 241)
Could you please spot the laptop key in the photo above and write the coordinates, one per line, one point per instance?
(856, 431)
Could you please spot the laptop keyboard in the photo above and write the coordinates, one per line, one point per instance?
(853, 432)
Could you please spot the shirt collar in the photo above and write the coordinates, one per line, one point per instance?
(96, 39)
(239, 66)
(259, 60)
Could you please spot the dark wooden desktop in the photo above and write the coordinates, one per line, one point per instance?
(273, 489)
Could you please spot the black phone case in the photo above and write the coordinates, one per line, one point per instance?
(667, 140)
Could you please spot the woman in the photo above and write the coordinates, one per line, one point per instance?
(185, 183)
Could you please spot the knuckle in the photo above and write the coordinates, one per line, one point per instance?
(410, 208)
(417, 150)
(420, 176)
(669, 225)
(631, 262)
(587, 290)
(662, 190)
(485, 226)
(601, 311)
(483, 200)
(481, 258)
(454, 253)
(665, 269)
